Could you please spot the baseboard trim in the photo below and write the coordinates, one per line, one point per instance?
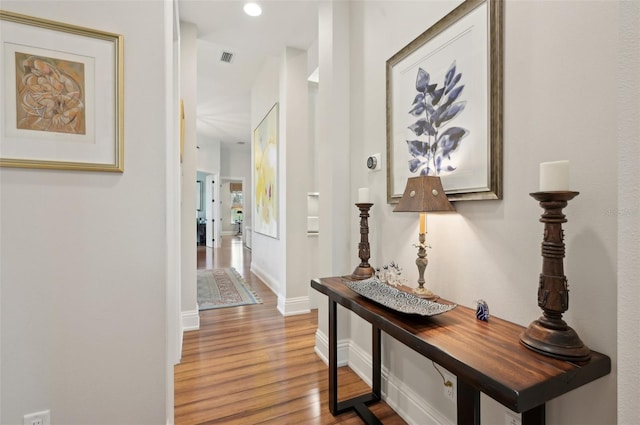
(286, 306)
(190, 320)
(265, 277)
(322, 349)
(293, 306)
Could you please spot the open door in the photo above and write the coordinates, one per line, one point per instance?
(212, 210)
(209, 199)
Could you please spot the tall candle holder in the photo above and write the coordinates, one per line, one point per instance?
(364, 270)
(550, 335)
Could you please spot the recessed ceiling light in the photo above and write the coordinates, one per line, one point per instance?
(252, 9)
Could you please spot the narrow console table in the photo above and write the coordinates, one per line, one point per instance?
(486, 357)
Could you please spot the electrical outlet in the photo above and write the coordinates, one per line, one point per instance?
(449, 386)
(38, 418)
(512, 418)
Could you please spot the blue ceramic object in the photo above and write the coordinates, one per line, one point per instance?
(482, 310)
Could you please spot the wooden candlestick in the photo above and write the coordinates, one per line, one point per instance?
(364, 270)
(550, 335)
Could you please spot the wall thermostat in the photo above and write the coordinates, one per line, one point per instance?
(373, 162)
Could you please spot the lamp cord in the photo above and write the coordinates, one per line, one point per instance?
(445, 381)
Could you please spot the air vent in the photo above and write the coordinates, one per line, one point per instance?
(226, 57)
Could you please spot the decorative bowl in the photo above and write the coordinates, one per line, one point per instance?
(395, 298)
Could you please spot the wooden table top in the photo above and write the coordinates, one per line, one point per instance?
(486, 355)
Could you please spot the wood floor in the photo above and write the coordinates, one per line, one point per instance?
(250, 365)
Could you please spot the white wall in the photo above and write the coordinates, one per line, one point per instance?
(491, 249)
(297, 178)
(189, 92)
(268, 254)
(628, 213)
(281, 263)
(208, 155)
(83, 325)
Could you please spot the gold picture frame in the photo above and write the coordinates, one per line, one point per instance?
(445, 105)
(63, 96)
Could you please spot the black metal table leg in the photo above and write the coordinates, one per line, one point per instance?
(468, 404)
(535, 416)
(376, 375)
(358, 404)
(333, 358)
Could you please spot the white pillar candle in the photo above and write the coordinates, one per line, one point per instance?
(363, 195)
(554, 176)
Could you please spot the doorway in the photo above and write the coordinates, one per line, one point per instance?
(232, 206)
(208, 209)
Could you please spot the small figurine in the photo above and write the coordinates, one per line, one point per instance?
(391, 274)
(482, 310)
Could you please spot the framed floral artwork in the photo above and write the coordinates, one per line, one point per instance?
(62, 96)
(444, 105)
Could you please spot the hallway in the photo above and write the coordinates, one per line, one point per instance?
(250, 365)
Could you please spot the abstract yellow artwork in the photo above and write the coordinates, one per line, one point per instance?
(265, 142)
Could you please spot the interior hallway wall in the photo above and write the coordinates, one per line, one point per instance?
(281, 262)
(628, 213)
(82, 276)
(189, 92)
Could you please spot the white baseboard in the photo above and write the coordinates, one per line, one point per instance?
(190, 320)
(265, 277)
(293, 306)
(286, 306)
(322, 349)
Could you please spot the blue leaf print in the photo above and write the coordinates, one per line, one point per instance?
(450, 113)
(417, 109)
(422, 126)
(422, 80)
(454, 95)
(453, 83)
(436, 96)
(450, 139)
(414, 164)
(435, 107)
(418, 148)
(450, 73)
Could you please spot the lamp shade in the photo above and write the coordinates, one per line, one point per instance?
(424, 194)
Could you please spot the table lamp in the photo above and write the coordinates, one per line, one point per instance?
(423, 194)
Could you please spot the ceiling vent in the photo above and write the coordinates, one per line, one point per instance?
(226, 57)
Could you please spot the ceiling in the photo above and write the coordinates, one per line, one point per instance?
(224, 89)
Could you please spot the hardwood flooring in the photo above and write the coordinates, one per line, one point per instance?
(250, 365)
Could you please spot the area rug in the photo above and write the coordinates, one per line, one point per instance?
(219, 288)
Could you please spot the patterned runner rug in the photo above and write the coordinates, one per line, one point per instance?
(219, 288)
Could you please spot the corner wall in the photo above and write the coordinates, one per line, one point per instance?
(83, 278)
(281, 263)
